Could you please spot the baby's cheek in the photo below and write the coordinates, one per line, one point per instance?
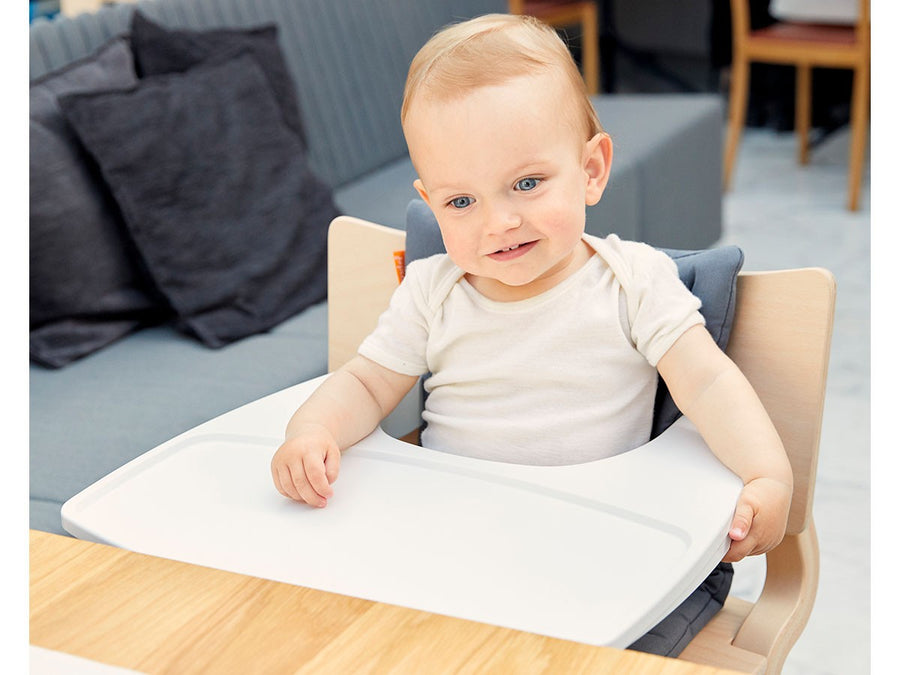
(459, 250)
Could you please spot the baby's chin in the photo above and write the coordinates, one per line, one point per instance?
(508, 288)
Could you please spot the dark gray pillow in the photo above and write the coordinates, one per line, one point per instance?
(86, 289)
(709, 274)
(159, 50)
(216, 193)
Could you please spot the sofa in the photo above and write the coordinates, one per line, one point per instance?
(230, 302)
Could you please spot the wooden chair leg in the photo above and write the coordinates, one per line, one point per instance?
(783, 608)
(737, 113)
(859, 122)
(590, 47)
(803, 111)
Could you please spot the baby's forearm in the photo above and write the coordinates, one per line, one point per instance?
(713, 393)
(351, 402)
(736, 426)
(343, 406)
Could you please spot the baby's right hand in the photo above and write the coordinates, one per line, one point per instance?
(306, 465)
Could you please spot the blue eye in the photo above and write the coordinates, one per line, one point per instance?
(461, 202)
(527, 184)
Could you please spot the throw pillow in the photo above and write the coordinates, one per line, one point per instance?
(86, 289)
(216, 193)
(159, 50)
(709, 274)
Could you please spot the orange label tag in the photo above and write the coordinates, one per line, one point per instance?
(400, 264)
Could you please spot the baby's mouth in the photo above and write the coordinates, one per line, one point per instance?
(513, 251)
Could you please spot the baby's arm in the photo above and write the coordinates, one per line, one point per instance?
(710, 389)
(345, 408)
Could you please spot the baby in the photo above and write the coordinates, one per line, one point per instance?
(543, 343)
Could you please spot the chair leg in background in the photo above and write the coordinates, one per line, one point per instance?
(803, 111)
(859, 122)
(737, 113)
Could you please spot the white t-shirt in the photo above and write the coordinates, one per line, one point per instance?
(564, 377)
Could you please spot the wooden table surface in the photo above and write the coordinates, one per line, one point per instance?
(161, 616)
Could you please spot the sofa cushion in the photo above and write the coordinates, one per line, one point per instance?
(710, 274)
(93, 416)
(666, 177)
(216, 194)
(158, 50)
(382, 196)
(86, 289)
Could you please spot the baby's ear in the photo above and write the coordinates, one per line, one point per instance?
(598, 153)
(420, 188)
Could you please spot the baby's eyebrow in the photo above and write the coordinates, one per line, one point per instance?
(447, 190)
(532, 166)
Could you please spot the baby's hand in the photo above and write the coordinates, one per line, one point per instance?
(306, 465)
(760, 518)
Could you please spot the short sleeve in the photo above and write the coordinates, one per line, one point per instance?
(401, 334)
(660, 307)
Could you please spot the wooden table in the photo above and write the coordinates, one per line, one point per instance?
(161, 616)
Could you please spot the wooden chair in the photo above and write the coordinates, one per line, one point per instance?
(570, 13)
(805, 46)
(781, 340)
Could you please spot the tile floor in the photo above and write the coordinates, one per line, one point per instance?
(783, 215)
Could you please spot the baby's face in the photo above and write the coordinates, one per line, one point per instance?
(508, 177)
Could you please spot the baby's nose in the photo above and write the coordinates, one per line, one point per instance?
(504, 218)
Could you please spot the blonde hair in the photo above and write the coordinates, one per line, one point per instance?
(491, 50)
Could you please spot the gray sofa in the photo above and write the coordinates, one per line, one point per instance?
(348, 61)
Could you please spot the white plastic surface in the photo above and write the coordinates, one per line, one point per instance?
(596, 553)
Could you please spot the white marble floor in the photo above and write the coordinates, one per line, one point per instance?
(783, 215)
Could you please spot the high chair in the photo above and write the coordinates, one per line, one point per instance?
(568, 13)
(780, 339)
(482, 540)
(806, 46)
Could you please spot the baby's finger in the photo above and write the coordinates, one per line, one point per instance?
(740, 550)
(305, 491)
(740, 524)
(281, 476)
(332, 464)
(314, 467)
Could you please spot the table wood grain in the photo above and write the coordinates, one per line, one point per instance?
(161, 616)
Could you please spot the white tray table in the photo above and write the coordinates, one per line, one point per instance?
(596, 552)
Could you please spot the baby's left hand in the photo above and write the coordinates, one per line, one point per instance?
(760, 518)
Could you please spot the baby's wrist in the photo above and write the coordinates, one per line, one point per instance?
(304, 428)
(772, 482)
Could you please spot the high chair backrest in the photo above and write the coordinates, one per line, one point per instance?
(781, 341)
(362, 275)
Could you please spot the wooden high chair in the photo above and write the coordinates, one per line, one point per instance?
(570, 13)
(781, 341)
(805, 46)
